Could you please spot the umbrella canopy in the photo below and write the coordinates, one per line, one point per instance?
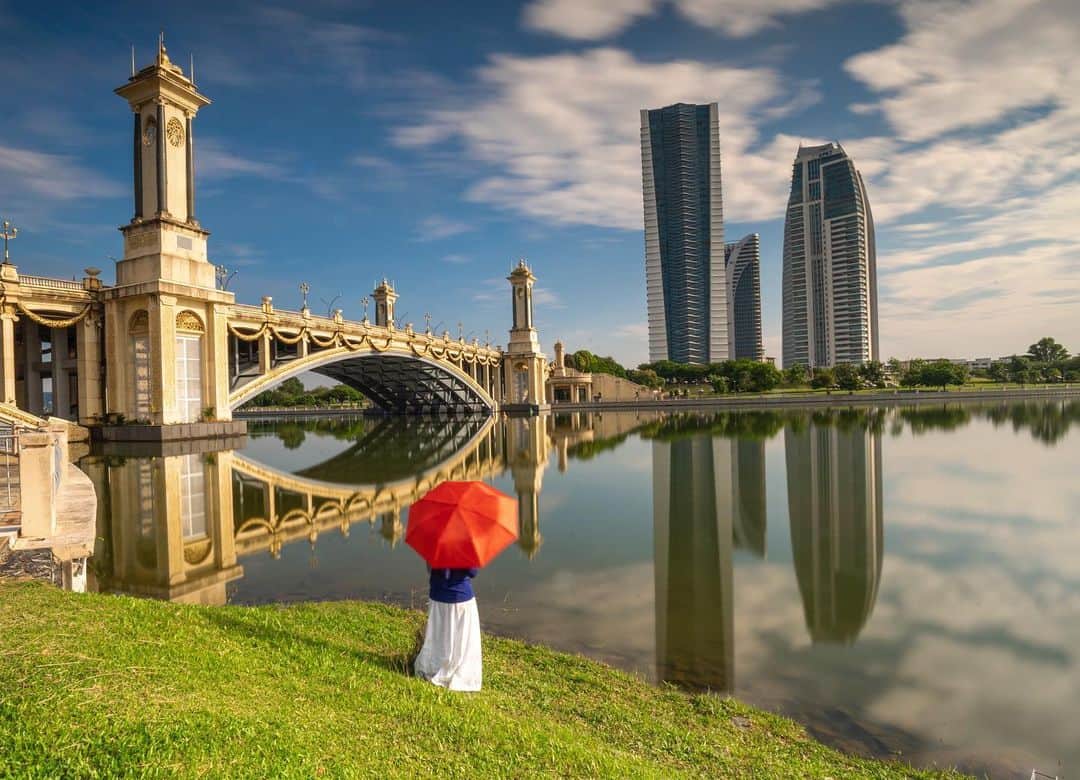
(461, 525)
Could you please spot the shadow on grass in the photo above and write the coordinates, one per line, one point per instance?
(399, 663)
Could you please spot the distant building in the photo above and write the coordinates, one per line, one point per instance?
(685, 278)
(830, 266)
(742, 259)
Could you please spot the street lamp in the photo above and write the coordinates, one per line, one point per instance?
(223, 276)
(8, 233)
(304, 288)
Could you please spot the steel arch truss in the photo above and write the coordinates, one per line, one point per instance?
(400, 384)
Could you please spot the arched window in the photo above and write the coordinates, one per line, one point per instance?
(139, 333)
(189, 336)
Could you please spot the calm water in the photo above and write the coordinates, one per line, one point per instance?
(901, 580)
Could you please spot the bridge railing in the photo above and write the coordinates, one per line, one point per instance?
(48, 283)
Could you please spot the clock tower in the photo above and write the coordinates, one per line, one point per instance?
(164, 237)
(166, 321)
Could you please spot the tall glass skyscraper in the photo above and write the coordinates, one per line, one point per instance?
(742, 259)
(830, 268)
(685, 278)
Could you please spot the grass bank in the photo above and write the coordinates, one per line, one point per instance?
(103, 686)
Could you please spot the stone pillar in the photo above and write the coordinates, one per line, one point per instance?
(34, 402)
(38, 483)
(216, 362)
(61, 400)
(88, 362)
(7, 356)
(163, 360)
(220, 485)
(266, 343)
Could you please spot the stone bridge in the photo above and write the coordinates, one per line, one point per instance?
(168, 347)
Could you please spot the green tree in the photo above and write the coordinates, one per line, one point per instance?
(941, 373)
(847, 376)
(1047, 350)
(873, 373)
(796, 375)
(823, 377)
(1020, 369)
(291, 387)
(894, 368)
(646, 377)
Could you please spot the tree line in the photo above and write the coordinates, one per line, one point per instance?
(1046, 361)
(291, 392)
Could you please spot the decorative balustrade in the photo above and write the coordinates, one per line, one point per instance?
(49, 283)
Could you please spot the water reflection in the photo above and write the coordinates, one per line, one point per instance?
(835, 510)
(670, 509)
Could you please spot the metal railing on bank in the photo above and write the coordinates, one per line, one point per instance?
(9, 471)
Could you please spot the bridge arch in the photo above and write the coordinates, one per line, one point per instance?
(395, 379)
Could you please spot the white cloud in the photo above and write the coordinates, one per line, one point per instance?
(585, 20)
(600, 19)
(437, 227)
(215, 161)
(983, 97)
(52, 177)
(456, 259)
(562, 133)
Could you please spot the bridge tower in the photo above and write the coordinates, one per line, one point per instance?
(384, 297)
(524, 365)
(166, 331)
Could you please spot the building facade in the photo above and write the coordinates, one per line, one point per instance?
(685, 278)
(742, 259)
(830, 268)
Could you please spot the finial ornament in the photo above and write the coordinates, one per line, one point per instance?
(9, 233)
(305, 288)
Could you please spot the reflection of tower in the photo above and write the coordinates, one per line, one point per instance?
(692, 536)
(837, 538)
(390, 527)
(527, 447)
(748, 501)
(170, 528)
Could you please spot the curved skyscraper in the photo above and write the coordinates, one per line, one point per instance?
(685, 278)
(830, 267)
(742, 259)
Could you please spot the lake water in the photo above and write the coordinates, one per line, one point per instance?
(904, 581)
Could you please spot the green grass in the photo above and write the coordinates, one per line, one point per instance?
(107, 686)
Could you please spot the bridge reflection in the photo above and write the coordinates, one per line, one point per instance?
(180, 527)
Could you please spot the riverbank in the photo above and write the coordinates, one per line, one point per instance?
(113, 686)
(812, 399)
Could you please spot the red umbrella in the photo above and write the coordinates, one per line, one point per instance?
(461, 525)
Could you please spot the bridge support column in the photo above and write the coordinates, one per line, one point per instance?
(88, 368)
(266, 343)
(7, 355)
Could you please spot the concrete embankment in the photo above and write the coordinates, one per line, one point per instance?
(818, 400)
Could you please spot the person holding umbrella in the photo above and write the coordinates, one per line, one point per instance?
(457, 528)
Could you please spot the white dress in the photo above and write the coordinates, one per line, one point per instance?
(451, 655)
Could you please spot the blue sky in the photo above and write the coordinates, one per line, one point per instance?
(435, 143)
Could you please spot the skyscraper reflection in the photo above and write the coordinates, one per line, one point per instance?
(692, 539)
(835, 506)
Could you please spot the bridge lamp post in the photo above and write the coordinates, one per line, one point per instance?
(330, 304)
(223, 276)
(305, 288)
(9, 233)
(427, 323)
(365, 301)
